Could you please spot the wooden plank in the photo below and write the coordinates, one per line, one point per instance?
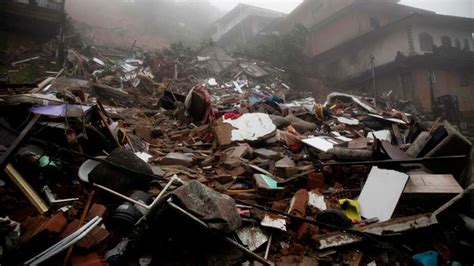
(397, 134)
(428, 183)
(15, 145)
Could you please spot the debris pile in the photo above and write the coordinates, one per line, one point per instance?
(119, 160)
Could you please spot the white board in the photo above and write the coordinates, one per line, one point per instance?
(381, 192)
(321, 143)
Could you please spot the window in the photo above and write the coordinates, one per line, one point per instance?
(374, 22)
(407, 80)
(457, 43)
(466, 45)
(464, 79)
(446, 41)
(426, 42)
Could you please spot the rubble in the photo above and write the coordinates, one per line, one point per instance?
(142, 158)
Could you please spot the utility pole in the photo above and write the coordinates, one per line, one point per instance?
(372, 66)
(431, 78)
(62, 29)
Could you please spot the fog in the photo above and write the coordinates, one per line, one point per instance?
(463, 8)
(158, 23)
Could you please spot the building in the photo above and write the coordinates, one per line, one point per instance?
(312, 12)
(416, 54)
(37, 17)
(240, 25)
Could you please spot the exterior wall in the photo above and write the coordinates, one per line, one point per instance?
(447, 82)
(347, 27)
(243, 32)
(356, 60)
(311, 12)
(339, 31)
(238, 14)
(390, 82)
(438, 32)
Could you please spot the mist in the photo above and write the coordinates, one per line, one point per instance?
(464, 8)
(158, 23)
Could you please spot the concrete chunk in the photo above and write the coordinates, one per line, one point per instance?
(175, 158)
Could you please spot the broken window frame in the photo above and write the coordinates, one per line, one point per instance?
(464, 79)
(426, 42)
(446, 41)
(466, 47)
(457, 43)
(374, 22)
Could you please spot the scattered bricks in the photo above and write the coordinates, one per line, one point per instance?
(340, 127)
(43, 225)
(285, 168)
(300, 201)
(267, 154)
(285, 162)
(93, 238)
(296, 249)
(144, 132)
(301, 232)
(297, 261)
(223, 132)
(237, 171)
(232, 162)
(267, 186)
(56, 224)
(305, 231)
(70, 228)
(325, 156)
(353, 258)
(96, 210)
(180, 135)
(208, 161)
(315, 181)
(280, 205)
(238, 152)
(90, 259)
(175, 158)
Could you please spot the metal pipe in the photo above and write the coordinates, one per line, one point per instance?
(409, 161)
(52, 198)
(65, 240)
(81, 221)
(122, 196)
(155, 201)
(162, 192)
(267, 250)
(68, 244)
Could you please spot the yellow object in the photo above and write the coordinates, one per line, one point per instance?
(27, 190)
(351, 209)
(238, 191)
(318, 110)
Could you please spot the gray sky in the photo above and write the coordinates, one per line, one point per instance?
(463, 8)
